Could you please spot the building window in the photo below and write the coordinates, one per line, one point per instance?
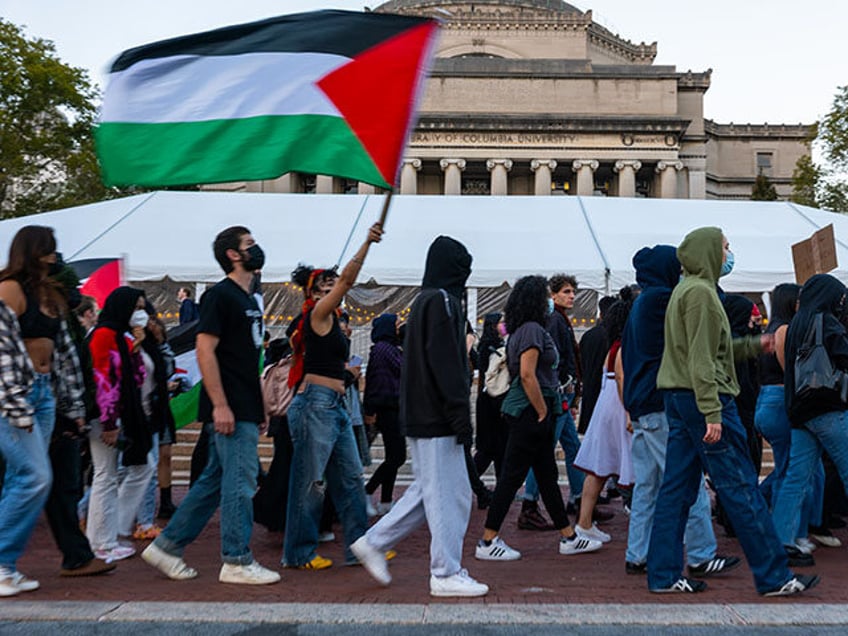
(764, 163)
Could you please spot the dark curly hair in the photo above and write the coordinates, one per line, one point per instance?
(558, 281)
(527, 302)
(615, 319)
(300, 277)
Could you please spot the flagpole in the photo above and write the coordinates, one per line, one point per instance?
(385, 213)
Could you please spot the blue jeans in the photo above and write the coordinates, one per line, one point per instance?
(28, 476)
(771, 420)
(650, 438)
(566, 433)
(147, 510)
(826, 432)
(729, 465)
(324, 456)
(229, 479)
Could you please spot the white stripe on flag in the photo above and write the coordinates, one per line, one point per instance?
(190, 88)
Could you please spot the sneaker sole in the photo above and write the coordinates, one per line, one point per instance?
(443, 594)
(248, 582)
(816, 580)
(487, 557)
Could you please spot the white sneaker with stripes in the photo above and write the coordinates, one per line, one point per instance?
(497, 550)
(578, 545)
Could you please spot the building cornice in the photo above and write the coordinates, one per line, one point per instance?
(551, 68)
(551, 123)
(757, 131)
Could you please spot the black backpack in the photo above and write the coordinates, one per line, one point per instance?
(814, 370)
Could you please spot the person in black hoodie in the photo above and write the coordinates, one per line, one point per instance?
(818, 416)
(436, 417)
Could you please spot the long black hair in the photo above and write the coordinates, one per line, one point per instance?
(784, 303)
(489, 341)
(527, 302)
(615, 319)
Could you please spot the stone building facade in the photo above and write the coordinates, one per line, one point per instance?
(533, 97)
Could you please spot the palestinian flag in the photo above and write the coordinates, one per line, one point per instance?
(99, 277)
(327, 92)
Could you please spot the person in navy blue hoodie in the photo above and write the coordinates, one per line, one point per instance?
(382, 395)
(657, 272)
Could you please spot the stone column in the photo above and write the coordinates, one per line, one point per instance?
(668, 178)
(365, 188)
(543, 168)
(499, 169)
(585, 169)
(627, 170)
(289, 182)
(326, 185)
(409, 176)
(453, 174)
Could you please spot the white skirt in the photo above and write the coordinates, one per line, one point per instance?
(605, 449)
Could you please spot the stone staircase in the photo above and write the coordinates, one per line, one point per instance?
(187, 438)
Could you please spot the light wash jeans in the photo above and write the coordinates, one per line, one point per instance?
(771, 420)
(228, 480)
(566, 433)
(113, 503)
(650, 439)
(439, 495)
(729, 465)
(826, 432)
(147, 510)
(325, 456)
(28, 476)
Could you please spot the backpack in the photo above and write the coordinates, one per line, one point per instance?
(814, 370)
(497, 374)
(276, 392)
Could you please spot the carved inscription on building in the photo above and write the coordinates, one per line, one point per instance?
(533, 139)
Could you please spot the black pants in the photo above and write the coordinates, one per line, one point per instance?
(61, 506)
(530, 445)
(492, 434)
(394, 444)
(269, 502)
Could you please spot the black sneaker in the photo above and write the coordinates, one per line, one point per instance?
(635, 568)
(797, 584)
(716, 565)
(531, 518)
(798, 559)
(682, 585)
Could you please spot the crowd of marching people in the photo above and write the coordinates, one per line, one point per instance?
(667, 400)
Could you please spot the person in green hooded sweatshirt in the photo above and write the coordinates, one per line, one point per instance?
(699, 382)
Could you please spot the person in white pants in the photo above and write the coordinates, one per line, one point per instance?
(436, 417)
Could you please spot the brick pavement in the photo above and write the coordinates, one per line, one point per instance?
(541, 576)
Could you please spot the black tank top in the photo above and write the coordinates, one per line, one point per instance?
(325, 355)
(35, 323)
(770, 370)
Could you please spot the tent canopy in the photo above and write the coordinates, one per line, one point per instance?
(170, 234)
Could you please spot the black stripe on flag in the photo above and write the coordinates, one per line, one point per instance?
(346, 33)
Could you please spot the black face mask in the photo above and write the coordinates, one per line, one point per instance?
(255, 258)
(58, 266)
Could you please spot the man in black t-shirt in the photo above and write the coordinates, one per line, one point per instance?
(229, 341)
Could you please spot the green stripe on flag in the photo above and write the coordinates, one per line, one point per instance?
(184, 406)
(218, 151)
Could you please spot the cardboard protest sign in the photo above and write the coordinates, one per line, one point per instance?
(815, 255)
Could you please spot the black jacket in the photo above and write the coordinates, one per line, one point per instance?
(821, 294)
(434, 388)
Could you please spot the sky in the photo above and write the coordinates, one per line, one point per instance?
(773, 61)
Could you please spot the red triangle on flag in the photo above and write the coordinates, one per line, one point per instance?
(103, 281)
(376, 91)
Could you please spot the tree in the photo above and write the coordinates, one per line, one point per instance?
(763, 189)
(825, 186)
(47, 157)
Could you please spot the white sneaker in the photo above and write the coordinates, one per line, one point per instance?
(24, 583)
(171, 566)
(593, 533)
(370, 510)
(384, 507)
(7, 583)
(497, 550)
(250, 574)
(805, 545)
(326, 537)
(373, 560)
(460, 584)
(118, 553)
(579, 545)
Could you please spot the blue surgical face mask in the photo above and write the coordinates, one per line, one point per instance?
(550, 306)
(727, 266)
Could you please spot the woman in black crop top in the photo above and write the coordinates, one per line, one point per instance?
(323, 442)
(35, 344)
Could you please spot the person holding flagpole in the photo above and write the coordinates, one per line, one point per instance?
(325, 458)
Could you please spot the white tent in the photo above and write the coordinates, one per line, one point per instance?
(170, 234)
